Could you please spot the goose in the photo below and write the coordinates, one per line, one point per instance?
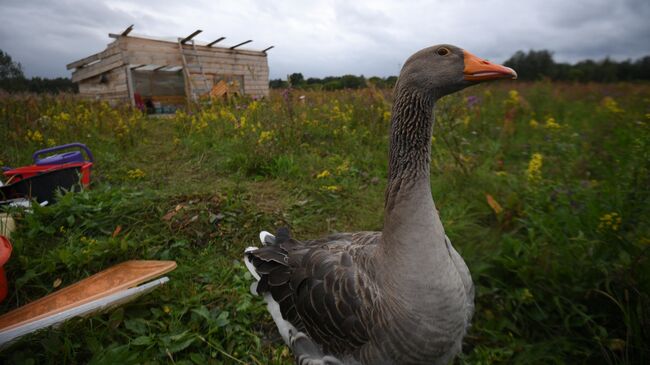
(399, 296)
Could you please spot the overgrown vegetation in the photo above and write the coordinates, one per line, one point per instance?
(542, 187)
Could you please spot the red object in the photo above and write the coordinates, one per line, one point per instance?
(5, 252)
(17, 174)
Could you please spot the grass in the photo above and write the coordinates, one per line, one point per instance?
(542, 187)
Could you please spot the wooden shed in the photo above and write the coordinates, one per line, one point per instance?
(164, 74)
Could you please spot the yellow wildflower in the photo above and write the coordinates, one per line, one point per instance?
(387, 116)
(534, 171)
(51, 142)
(166, 309)
(253, 106)
(513, 96)
(332, 188)
(135, 174)
(34, 136)
(323, 174)
(552, 124)
(610, 104)
(265, 136)
(343, 167)
(526, 296)
(533, 123)
(610, 221)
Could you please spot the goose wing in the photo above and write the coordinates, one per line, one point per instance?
(323, 287)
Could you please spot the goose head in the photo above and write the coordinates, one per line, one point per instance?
(443, 69)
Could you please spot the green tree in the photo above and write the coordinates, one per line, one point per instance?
(11, 74)
(296, 79)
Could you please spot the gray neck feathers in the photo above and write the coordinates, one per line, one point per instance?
(409, 156)
(412, 227)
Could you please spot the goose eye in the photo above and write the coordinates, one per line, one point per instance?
(442, 51)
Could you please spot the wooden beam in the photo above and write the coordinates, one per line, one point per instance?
(127, 31)
(107, 64)
(189, 37)
(130, 89)
(92, 58)
(137, 67)
(159, 68)
(215, 42)
(267, 49)
(241, 44)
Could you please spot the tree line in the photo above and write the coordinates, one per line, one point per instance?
(12, 79)
(532, 65)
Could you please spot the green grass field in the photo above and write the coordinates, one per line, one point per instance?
(543, 188)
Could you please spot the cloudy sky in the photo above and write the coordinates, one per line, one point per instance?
(322, 38)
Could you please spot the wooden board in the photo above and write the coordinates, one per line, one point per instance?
(114, 279)
(104, 65)
(110, 50)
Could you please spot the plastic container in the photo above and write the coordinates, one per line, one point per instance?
(62, 158)
(5, 253)
(42, 182)
(20, 173)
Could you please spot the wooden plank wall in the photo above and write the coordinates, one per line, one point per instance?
(104, 61)
(114, 90)
(251, 65)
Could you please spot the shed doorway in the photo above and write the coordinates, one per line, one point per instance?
(158, 91)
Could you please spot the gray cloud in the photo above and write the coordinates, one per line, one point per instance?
(331, 37)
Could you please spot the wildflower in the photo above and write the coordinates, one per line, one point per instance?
(332, 188)
(265, 136)
(51, 142)
(513, 95)
(472, 101)
(253, 106)
(343, 167)
(166, 309)
(533, 123)
(135, 174)
(610, 104)
(552, 124)
(534, 171)
(34, 136)
(387, 116)
(526, 296)
(323, 174)
(610, 221)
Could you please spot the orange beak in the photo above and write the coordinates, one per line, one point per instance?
(478, 69)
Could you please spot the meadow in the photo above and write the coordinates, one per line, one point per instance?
(544, 189)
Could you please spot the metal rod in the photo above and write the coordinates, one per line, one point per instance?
(189, 37)
(215, 42)
(266, 49)
(241, 44)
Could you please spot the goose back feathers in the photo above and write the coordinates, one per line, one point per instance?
(400, 296)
